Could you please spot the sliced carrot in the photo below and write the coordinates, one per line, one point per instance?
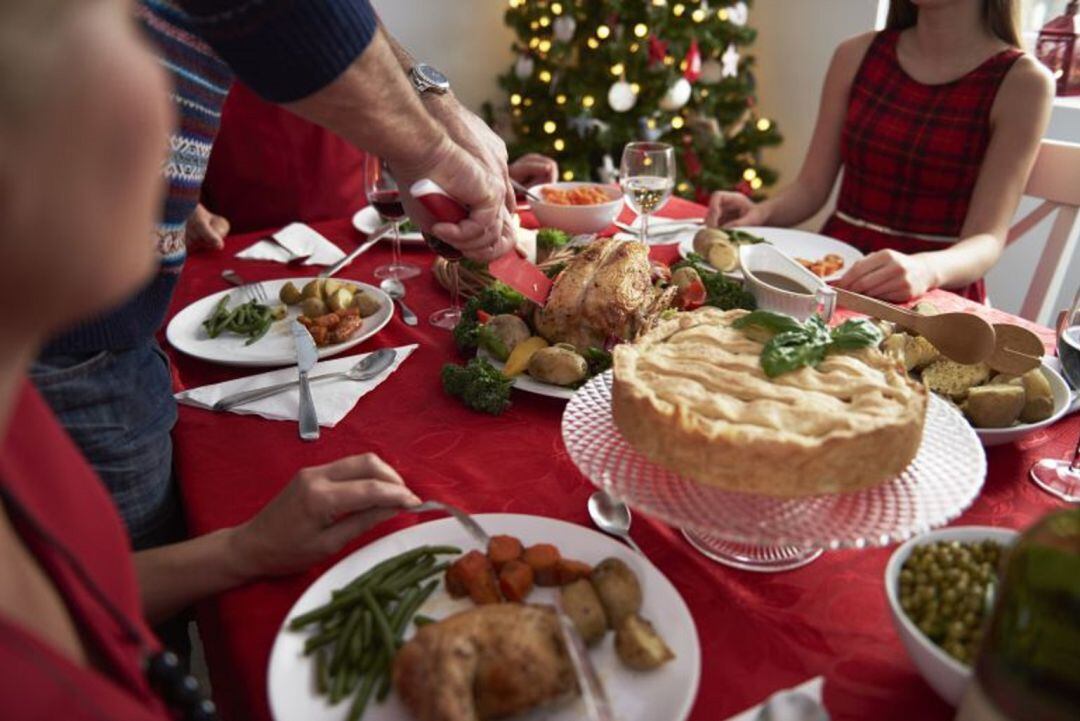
(568, 570)
(544, 559)
(478, 577)
(455, 580)
(516, 580)
(503, 549)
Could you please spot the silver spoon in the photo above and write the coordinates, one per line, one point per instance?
(396, 290)
(366, 368)
(792, 705)
(612, 517)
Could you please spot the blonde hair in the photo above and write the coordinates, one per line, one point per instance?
(1002, 18)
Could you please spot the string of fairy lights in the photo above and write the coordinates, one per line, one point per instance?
(555, 88)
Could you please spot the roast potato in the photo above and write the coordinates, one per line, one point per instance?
(618, 589)
(705, 237)
(340, 299)
(331, 286)
(559, 365)
(1038, 397)
(290, 294)
(313, 289)
(918, 352)
(638, 644)
(954, 379)
(685, 277)
(313, 307)
(994, 406)
(925, 307)
(509, 329)
(583, 606)
(366, 304)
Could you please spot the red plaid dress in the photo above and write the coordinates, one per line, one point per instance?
(911, 154)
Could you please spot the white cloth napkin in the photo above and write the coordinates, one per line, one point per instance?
(780, 710)
(302, 240)
(333, 398)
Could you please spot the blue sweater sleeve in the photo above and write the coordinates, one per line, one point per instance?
(285, 49)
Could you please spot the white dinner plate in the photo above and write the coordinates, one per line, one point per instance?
(276, 348)
(527, 383)
(792, 242)
(664, 693)
(367, 221)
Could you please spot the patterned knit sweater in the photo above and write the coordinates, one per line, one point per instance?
(283, 49)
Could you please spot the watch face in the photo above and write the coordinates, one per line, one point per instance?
(432, 76)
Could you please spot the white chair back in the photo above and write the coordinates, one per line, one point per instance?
(1055, 179)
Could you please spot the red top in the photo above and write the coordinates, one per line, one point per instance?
(270, 167)
(912, 152)
(41, 469)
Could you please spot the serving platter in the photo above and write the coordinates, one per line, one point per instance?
(665, 693)
(277, 348)
(367, 221)
(793, 243)
(527, 383)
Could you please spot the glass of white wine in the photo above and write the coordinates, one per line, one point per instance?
(647, 177)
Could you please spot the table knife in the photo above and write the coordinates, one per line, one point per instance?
(306, 357)
(512, 269)
(362, 248)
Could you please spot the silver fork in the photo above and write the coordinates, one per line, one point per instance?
(468, 522)
(252, 291)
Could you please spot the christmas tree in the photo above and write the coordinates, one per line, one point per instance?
(592, 75)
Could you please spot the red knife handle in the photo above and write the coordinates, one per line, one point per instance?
(438, 202)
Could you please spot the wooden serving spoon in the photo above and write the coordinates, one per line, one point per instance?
(1016, 350)
(962, 337)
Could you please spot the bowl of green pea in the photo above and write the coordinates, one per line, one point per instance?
(940, 588)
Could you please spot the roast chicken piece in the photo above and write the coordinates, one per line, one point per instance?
(489, 662)
(605, 292)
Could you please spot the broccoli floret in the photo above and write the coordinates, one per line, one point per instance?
(551, 238)
(496, 299)
(478, 385)
(599, 360)
(721, 292)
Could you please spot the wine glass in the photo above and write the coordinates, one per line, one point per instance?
(382, 193)
(1057, 476)
(449, 317)
(647, 177)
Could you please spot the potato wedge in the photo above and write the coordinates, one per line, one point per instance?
(331, 286)
(1038, 397)
(618, 588)
(366, 304)
(313, 289)
(340, 299)
(639, 646)
(290, 294)
(521, 355)
(954, 379)
(583, 606)
(994, 406)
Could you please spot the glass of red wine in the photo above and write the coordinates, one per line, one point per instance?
(448, 317)
(1057, 476)
(382, 193)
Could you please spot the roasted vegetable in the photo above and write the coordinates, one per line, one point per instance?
(340, 299)
(313, 307)
(313, 288)
(599, 360)
(994, 406)
(618, 589)
(496, 299)
(518, 362)
(720, 292)
(639, 646)
(478, 385)
(502, 333)
(331, 286)
(516, 581)
(474, 573)
(549, 239)
(290, 294)
(582, 605)
(568, 570)
(366, 304)
(954, 379)
(559, 365)
(1038, 397)
(502, 549)
(544, 559)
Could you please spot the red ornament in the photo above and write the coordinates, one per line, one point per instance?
(744, 187)
(693, 62)
(1058, 47)
(702, 196)
(657, 50)
(692, 163)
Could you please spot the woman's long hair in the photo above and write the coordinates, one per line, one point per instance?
(1001, 16)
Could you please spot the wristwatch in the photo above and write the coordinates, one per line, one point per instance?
(427, 79)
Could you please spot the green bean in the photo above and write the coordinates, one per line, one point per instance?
(341, 648)
(382, 625)
(320, 672)
(363, 695)
(337, 687)
(417, 576)
(316, 642)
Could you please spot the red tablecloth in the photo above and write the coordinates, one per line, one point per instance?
(758, 632)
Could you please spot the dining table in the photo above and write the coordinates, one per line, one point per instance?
(759, 632)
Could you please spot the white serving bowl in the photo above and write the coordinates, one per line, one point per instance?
(1062, 400)
(947, 676)
(577, 219)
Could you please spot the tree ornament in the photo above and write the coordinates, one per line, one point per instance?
(692, 163)
(676, 96)
(607, 172)
(693, 62)
(711, 72)
(705, 129)
(738, 13)
(621, 96)
(649, 129)
(583, 123)
(524, 67)
(657, 51)
(744, 187)
(731, 62)
(564, 27)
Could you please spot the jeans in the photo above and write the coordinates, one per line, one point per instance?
(118, 408)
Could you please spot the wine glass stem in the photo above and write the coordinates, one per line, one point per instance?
(455, 282)
(645, 228)
(1075, 465)
(395, 253)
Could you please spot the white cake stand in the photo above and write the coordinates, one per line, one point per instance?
(762, 533)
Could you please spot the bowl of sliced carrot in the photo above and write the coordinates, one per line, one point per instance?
(577, 207)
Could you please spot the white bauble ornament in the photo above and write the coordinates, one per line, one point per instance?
(676, 96)
(731, 62)
(711, 72)
(564, 27)
(607, 172)
(524, 67)
(738, 13)
(621, 96)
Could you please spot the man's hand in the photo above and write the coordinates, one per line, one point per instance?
(321, 510)
(205, 231)
(534, 169)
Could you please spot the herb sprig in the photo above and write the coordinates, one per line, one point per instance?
(795, 345)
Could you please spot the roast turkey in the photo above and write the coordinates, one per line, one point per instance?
(605, 294)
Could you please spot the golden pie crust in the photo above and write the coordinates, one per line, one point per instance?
(691, 396)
